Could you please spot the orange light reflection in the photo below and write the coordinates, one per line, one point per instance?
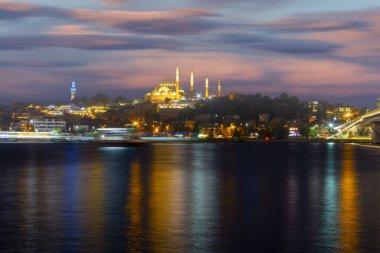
(349, 210)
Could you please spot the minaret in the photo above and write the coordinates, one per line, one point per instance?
(73, 90)
(206, 88)
(177, 82)
(192, 82)
(219, 89)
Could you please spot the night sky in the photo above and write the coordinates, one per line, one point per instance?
(312, 49)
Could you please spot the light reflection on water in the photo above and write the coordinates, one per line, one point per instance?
(329, 231)
(349, 209)
(189, 198)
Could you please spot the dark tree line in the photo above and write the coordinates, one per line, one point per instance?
(250, 106)
(99, 99)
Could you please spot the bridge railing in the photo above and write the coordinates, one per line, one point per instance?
(355, 122)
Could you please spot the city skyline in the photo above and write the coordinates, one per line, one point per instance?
(319, 50)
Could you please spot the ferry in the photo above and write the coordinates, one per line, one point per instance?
(125, 137)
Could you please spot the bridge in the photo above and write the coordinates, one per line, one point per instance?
(367, 124)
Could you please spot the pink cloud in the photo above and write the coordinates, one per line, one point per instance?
(358, 33)
(118, 17)
(72, 30)
(149, 22)
(17, 6)
(321, 72)
(114, 2)
(144, 70)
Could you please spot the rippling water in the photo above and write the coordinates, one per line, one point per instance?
(199, 197)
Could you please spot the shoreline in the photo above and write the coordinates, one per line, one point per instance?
(362, 142)
(376, 146)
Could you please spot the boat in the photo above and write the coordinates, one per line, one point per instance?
(118, 137)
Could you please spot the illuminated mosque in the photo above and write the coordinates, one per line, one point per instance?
(171, 91)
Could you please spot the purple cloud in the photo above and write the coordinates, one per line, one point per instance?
(86, 42)
(280, 45)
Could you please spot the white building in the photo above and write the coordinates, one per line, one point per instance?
(48, 125)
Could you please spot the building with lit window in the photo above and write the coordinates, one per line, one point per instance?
(48, 125)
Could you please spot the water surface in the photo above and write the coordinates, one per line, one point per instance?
(200, 197)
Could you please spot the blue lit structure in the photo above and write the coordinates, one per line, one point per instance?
(73, 90)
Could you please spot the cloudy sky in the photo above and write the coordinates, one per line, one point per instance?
(313, 49)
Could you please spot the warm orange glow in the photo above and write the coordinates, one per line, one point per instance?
(135, 198)
(134, 207)
(166, 198)
(349, 214)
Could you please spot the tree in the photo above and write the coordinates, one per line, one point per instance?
(277, 128)
(80, 100)
(101, 98)
(120, 99)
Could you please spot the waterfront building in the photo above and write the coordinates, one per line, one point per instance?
(73, 90)
(81, 128)
(22, 125)
(47, 125)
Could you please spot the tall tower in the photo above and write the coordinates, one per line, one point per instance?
(177, 81)
(73, 90)
(219, 89)
(192, 82)
(206, 88)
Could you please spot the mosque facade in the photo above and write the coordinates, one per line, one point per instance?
(171, 91)
(166, 91)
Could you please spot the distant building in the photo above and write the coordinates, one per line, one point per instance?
(142, 108)
(47, 125)
(209, 130)
(22, 125)
(190, 124)
(312, 118)
(73, 90)
(202, 117)
(137, 101)
(344, 112)
(314, 106)
(263, 118)
(81, 128)
(169, 113)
